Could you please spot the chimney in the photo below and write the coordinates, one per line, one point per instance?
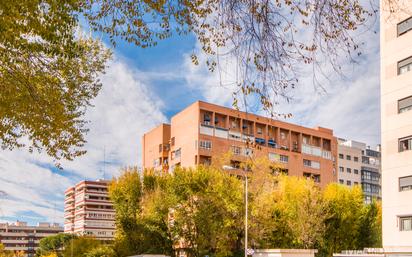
(378, 147)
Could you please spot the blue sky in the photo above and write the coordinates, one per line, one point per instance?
(144, 87)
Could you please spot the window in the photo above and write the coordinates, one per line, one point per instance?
(178, 152)
(341, 169)
(341, 181)
(356, 171)
(259, 130)
(405, 65)
(405, 183)
(248, 152)
(405, 144)
(311, 164)
(172, 141)
(405, 104)
(236, 150)
(348, 157)
(340, 156)
(404, 26)
(315, 177)
(206, 119)
(405, 223)
(205, 145)
(284, 158)
(355, 183)
(349, 183)
(348, 170)
(274, 157)
(355, 159)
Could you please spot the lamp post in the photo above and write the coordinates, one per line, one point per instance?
(226, 167)
(246, 212)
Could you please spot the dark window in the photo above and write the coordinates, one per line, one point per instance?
(405, 223)
(355, 183)
(340, 156)
(348, 170)
(356, 159)
(349, 183)
(404, 26)
(341, 181)
(405, 104)
(405, 144)
(405, 65)
(341, 169)
(356, 171)
(405, 183)
(348, 157)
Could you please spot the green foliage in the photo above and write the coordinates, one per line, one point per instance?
(48, 76)
(138, 231)
(207, 211)
(79, 247)
(202, 211)
(53, 244)
(290, 214)
(101, 251)
(370, 234)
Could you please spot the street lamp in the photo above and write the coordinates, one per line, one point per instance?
(229, 168)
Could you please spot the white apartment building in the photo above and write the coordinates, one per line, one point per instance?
(24, 238)
(89, 211)
(396, 126)
(360, 165)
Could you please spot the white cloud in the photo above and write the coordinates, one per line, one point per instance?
(348, 103)
(216, 87)
(123, 111)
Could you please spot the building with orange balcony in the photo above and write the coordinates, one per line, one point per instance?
(204, 131)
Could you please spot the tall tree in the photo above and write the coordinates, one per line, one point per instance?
(48, 76)
(208, 211)
(344, 220)
(80, 246)
(141, 221)
(53, 244)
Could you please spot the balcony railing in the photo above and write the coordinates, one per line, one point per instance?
(206, 130)
(221, 132)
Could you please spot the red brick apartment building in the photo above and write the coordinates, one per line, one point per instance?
(89, 211)
(204, 131)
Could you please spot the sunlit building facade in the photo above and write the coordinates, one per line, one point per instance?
(89, 211)
(396, 126)
(20, 237)
(203, 132)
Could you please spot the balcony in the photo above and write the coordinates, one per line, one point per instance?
(206, 130)
(260, 141)
(327, 154)
(221, 132)
(272, 143)
(248, 138)
(235, 135)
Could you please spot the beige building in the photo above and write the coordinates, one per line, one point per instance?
(396, 127)
(24, 238)
(360, 165)
(203, 131)
(89, 211)
(349, 162)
